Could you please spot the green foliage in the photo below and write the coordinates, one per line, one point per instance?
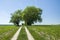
(16, 17)
(32, 14)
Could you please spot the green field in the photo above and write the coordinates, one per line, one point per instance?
(45, 32)
(42, 32)
(6, 32)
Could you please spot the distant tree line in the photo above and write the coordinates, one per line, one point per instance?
(30, 15)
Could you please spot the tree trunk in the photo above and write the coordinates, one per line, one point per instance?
(27, 23)
(17, 24)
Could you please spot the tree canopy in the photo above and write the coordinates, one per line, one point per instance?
(16, 17)
(30, 15)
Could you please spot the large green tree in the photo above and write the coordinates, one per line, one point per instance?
(16, 17)
(32, 14)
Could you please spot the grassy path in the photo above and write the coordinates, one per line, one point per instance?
(30, 37)
(23, 34)
(16, 34)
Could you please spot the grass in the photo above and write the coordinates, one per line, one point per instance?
(45, 32)
(42, 32)
(6, 32)
(22, 35)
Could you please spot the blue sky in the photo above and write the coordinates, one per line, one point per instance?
(50, 14)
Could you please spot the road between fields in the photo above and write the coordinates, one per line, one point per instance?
(16, 34)
(30, 37)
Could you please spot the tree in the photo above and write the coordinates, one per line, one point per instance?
(32, 14)
(16, 17)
